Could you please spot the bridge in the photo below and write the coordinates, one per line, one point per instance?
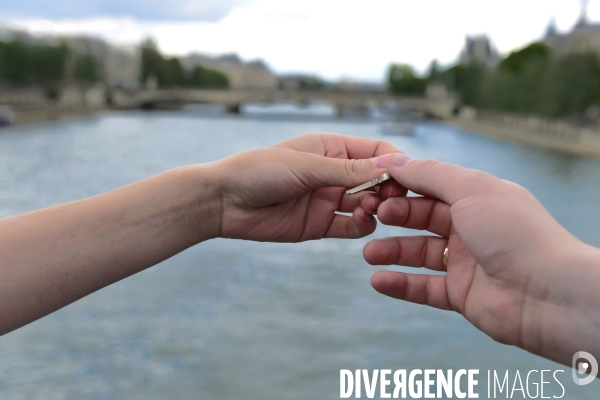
(232, 100)
(73, 98)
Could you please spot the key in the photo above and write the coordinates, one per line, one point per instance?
(373, 182)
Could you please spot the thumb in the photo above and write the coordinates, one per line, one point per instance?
(444, 181)
(318, 171)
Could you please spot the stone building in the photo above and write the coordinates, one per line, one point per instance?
(479, 49)
(118, 66)
(122, 67)
(584, 37)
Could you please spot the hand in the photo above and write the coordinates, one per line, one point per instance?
(512, 270)
(291, 191)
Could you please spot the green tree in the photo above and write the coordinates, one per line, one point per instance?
(208, 78)
(402, 79)
(466, 81)
(25, 64)
(517, 61)
(170, 73)
(153, 64)
(531, 80)
(86, 69)
(174, 72)
(574, 84)
(435, 73)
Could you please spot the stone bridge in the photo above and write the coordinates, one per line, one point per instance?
(98, 97)
(233, 99)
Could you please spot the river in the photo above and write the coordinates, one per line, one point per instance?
(242, 320)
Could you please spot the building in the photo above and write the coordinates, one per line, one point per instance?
(242, 75)
(118, 67)
(479, 49)
(122, 67)
(584, 37)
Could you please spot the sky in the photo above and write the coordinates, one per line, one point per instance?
(334, 39)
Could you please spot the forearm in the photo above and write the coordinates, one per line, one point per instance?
(52, 257)
(564, 316)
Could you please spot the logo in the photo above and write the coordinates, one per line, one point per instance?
(584, 364)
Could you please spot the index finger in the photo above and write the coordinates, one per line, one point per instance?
(358, 147)
(339, 146)
(444, 181)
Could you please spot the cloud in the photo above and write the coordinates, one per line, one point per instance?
(333, 38)
(158, 10)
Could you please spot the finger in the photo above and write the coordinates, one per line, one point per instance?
(422, 213)
(392, 189)
(358, 147)
(421, 289)
(447, 182)
(360, 224)
(369, 201)
(316, 171)
(338, 146)
(411, 251)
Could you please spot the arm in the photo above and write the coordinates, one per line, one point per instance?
(512, 270)
(289, 192)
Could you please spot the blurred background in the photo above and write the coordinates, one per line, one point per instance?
(95, 95)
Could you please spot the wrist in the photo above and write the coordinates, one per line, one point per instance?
(569, 320)
(202, 188)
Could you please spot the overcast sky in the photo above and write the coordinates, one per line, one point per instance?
(332, 38)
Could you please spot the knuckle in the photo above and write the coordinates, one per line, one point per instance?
(366, 201)
(516, 187)
(430, 164)
(424, 251)
(484, 180)
(394, 211)
(382, 147)
(351, 167)
(351, 229)
(477, 182)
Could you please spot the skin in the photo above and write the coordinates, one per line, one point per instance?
(512, 270)
(287, 193)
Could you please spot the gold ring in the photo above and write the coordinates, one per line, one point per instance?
(445, 259)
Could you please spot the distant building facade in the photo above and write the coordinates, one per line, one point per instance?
(118, 66)
(122, 67)
(584, 37)
(242, 75)
(479, 49)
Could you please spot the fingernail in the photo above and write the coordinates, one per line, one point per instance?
(379, 162)
(365, 217)
(399, 160)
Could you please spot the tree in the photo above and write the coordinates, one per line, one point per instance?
(86, 69)
(516, 61)
(402, 79)
(435, 73)
(170, 73)
(26, 64)
(466, 81)
(208, 78)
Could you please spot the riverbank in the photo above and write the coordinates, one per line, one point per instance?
(555, 135)
(50, 114)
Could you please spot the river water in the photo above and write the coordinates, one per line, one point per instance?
(241, 320)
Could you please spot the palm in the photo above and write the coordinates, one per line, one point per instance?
(308, 215)
(485, 301)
